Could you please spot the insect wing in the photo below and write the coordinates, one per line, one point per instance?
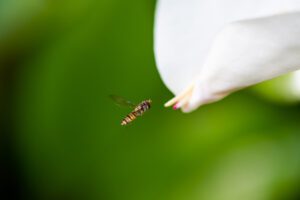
(120, 101)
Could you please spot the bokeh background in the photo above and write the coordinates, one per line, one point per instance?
(61, 136)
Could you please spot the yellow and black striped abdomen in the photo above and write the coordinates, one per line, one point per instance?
(129, 118)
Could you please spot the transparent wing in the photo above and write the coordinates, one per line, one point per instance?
(120, 101)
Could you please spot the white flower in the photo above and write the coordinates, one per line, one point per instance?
(206, 50)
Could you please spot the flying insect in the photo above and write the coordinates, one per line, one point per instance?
(138, 109)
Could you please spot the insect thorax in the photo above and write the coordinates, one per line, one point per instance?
(142, 107)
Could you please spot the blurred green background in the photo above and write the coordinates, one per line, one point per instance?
(61, 135)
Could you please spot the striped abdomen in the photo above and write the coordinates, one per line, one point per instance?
(138, 111)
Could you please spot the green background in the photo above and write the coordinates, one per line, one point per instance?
(59, 62)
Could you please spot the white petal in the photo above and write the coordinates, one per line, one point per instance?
(189, 45)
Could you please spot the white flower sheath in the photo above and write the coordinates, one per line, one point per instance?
(207, 49)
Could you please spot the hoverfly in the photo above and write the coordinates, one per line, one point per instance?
(138, 109)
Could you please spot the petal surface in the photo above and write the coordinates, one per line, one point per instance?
(193, 40)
